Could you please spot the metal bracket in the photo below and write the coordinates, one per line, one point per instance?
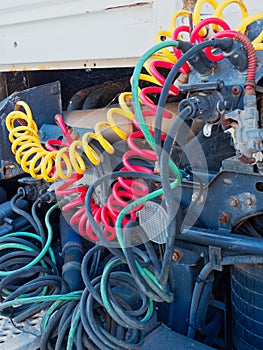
(215, 258)
(207, 129)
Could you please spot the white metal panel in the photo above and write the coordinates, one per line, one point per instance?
(45, 34)
(19, 11)
(54, 34)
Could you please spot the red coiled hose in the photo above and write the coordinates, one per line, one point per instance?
(123, 191)
(178, 53)
(153, 67)
(196, 37)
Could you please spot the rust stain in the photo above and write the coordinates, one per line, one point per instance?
(189, 5)
(25, 68)
(137, 4)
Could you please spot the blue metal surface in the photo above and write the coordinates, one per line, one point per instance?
(182, 277)
(164, 338)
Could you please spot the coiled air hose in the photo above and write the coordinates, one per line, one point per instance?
(51, 163)
(122, 190)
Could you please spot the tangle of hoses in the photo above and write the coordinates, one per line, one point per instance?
(146, 274)
(163, 153)
(115, 200)
(109, 212)
(28, 270)
(88, 324)
(150, 278)
(123, 190)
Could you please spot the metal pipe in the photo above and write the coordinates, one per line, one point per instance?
(90, 117)
(234, 242)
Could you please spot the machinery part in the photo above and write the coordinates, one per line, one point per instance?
(153, 219)
(164, 335)
(72, 249)
(246, 297)
(98, 96)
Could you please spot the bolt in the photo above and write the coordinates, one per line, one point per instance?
(234, 202)
(54, 90)
(223, 217)
(236, 90)
(250, 201)
(177, 255)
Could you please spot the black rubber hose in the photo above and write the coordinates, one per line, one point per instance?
(85, 321)
(98, 182)
(64, 324)
(41, 230)
(30, 312)
(20, 241)
(201, 312)
(166, 87)
(46, 335)
(202, 278)
(83, 340)
(17, 274)
(99, 335)
(151, 254)
(131, 261)
(84, 273)
(173, 226)
(22, 212)
(125, 281)
(54, 282)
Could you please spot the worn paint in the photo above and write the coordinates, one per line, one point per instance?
(189, 5)
(129, 6)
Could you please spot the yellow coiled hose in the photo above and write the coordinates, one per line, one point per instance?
(41, 163)
(218, 12)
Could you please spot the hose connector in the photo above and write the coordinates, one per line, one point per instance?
(224, 44)
(199, 61)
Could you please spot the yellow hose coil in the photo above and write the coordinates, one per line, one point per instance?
(218, 12)
(50, 165)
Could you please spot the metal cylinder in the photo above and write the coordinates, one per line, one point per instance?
(247, 306)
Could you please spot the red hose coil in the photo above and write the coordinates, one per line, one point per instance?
(196, 37)
(123, 190)
(178, 53)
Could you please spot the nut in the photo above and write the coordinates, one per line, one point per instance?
(177, 255)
